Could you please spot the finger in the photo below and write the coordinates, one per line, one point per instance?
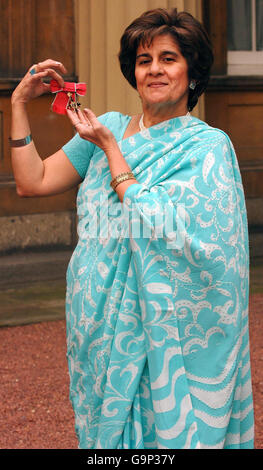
(83, 119)
(91, 117)
(41, 66)
(51, 73)
(49, 63)
(36, 75)
(32, 70)
(73, 117)
(48, 73)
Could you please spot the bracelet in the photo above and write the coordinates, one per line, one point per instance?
(120, 178)
(20, 142)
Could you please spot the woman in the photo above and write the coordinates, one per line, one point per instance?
(157, 287)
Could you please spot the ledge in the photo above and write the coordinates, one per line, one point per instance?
(7, 181)
(251, 165)
(235, 83)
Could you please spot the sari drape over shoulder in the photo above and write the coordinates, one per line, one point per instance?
(157, 294)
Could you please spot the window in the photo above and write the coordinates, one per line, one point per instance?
(245, 37)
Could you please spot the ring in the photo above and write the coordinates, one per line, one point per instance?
(32, 71)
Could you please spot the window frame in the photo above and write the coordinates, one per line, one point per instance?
(246, 62)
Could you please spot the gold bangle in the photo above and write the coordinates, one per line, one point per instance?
(120, 178)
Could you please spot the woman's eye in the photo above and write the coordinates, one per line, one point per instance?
(169, 59)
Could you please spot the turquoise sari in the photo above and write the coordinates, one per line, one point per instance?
(157, 294)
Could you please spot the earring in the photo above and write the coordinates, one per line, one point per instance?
(192, 85)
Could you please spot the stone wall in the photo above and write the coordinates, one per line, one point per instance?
(35, 231)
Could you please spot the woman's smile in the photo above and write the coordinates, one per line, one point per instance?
(157, 85)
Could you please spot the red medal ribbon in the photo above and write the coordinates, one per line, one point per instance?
(62, 98)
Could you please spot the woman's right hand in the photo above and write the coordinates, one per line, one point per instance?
(32, 86)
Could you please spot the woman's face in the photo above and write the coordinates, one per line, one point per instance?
(161, 74)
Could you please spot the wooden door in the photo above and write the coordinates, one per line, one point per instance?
(235, 105)
(32, 31)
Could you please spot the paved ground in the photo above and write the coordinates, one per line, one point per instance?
(35, 412)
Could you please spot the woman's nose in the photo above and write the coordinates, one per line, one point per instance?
(156, 67)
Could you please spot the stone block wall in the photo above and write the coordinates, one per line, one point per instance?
(38, 231)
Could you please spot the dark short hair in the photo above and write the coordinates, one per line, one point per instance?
(189, 35)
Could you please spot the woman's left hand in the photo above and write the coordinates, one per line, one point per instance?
(90, 128)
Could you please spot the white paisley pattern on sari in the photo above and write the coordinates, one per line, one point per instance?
(157, 294)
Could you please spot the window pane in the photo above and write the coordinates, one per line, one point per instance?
(239, 25)
(259, 10)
